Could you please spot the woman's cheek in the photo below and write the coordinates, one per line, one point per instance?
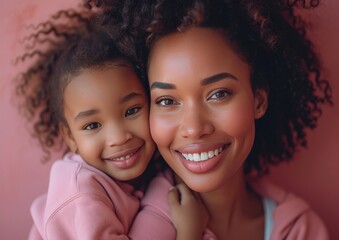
(243, 129)
(243, 123)
(161, 129)
(236, 120)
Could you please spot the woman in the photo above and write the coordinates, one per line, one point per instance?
(234, 87)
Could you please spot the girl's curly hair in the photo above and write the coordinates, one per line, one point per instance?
(43, 49)
(267, 34)
(56, 51)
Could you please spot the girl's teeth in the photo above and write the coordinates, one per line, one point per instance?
(196, 157)
(124, 157)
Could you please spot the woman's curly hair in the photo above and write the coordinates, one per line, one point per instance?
(267, 34)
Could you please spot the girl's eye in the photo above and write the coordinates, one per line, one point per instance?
(220, 94)
(165, 101)
(132, 111)
(92, 126)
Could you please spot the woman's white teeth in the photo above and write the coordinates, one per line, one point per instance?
(197, 157)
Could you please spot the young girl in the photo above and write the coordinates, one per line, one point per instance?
(235, 86)
(90, 92)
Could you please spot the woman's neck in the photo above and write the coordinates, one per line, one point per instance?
(232, 205)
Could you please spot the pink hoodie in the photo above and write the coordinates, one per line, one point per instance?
(293, 218)
(83, 203)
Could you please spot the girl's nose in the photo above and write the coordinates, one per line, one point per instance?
(118, 134)
(195, 123)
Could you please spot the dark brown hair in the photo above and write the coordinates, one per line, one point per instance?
(267, 34)
(58, 51)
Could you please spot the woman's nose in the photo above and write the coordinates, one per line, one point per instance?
(118, 134)
(195, 123)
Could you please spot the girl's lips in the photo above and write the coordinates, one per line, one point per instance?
(200, 160)
(125, 159)
(123, 154)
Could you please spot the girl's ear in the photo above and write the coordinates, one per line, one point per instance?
(68, 137)
(261, 102)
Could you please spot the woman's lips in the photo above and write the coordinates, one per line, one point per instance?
(202, 156)
(204, 160)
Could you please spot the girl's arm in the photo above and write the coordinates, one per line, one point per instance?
(154, 220)
(188, 213)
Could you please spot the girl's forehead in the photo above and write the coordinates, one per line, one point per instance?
(104, 78)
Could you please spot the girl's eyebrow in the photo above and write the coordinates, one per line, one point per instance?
(91, 112)
(130, 96)
(217, 77)
(85, 114)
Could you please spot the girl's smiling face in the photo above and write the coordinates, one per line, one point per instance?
(203, 108)
(106, 109)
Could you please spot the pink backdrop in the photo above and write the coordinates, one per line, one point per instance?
(313, 174)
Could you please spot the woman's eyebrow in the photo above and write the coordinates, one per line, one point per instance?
(162, 85)
(217, 77)
(205, 81)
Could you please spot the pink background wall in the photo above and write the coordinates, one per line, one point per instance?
(313, 174)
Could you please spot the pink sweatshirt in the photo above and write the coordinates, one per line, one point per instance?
(293, 218)
(83, 203)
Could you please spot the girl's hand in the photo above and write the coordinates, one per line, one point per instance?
(189, 215)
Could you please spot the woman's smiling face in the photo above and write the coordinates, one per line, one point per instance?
(203, 108)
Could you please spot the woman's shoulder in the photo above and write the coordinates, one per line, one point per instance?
(292, 217)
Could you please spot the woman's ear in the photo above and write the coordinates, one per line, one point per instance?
(261, 102)
(68, 137)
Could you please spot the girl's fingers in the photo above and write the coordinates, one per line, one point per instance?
(181, 194)
(183, 189)
(173, 197)
(186, 195)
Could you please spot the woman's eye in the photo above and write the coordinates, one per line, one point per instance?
(163, 101)
(132, 111)
(92, 126)
(221, 94)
